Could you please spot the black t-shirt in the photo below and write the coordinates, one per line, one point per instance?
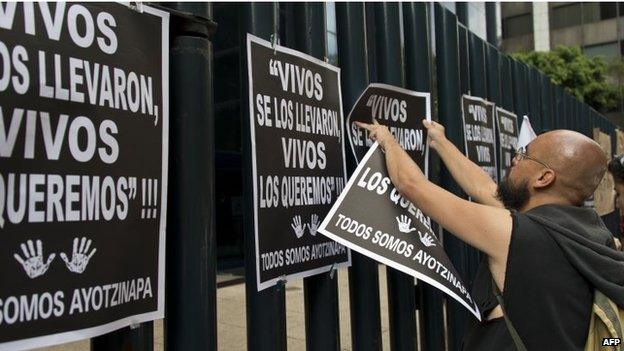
(547, 300)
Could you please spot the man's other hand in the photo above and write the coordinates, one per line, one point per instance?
(435, 133)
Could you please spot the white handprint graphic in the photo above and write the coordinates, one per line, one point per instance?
(33, 260)
(404, 224)
(80, 256)
(297, 226)
(426, 239)
(314, 224)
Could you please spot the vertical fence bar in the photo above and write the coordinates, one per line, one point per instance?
(493, 65)
(418, 77)
(476, 52)
(137, 339)
(363, 273)
(587, 120)
(191, 241)
(266, 309)
(558, 107)
(533, 90)
(464, 61)
(461, 9)
(490, 22)
(545, 102)
(447, 63)
(320, 291)
(478, 87)
(506, 84)
(401, 290)
(519, 89)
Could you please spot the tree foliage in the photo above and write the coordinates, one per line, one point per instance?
(584, 77)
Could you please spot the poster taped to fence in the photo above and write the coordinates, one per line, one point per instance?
(508, 132)
(297, 137)
(479, 138)
(372, 218)
(83, 170)
(401, 110)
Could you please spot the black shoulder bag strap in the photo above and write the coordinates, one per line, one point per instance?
(512, 331)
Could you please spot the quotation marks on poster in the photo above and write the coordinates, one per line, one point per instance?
(80, 256)
(32, 262)
(426, 239)
(404, 224)
(297, 226)
(149, 203)
(273, 67)
(314, 224)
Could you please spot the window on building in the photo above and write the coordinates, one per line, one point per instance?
(566, 16)
(332, 38)
(605, 50)
(598, 11)
(517, 26)
(579, 13)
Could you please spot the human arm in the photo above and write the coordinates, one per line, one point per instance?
(470, 177)
(486, 228)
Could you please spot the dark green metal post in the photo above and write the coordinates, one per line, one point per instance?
(477, 65)
(461, 10)
(506, 84)
(533, 90)
(320, 291)
(449, 112)
(140, 338)
(418, 77)
(401, 290)
(493, 65)
(490, 22)
(266, 309)
(191, 244)
(559, 109)
(464, 61)
(363, 273)
(519, 89)
(545, 102)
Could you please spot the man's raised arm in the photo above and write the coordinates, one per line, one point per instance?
(486, 228)
(470, 177)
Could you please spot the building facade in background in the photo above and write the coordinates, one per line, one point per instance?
(595, 27)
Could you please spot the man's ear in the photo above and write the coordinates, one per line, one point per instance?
(546, 178)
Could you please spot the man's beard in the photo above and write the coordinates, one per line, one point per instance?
(513, 197)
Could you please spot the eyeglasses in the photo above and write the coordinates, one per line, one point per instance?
(521, 154)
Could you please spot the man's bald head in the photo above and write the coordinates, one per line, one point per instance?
(578, 161)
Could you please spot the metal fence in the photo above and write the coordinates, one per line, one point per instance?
(419, 46)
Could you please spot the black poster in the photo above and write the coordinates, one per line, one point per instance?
(508, 137)
(297, 137)
(401, 110)
(479, 138)
(371, 217)
(83, 169)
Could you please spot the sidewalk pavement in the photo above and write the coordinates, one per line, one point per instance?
(231, 319)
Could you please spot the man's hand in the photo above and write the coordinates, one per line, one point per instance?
(378, 133)
(435, 133)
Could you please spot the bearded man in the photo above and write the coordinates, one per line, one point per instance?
(544, 251)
